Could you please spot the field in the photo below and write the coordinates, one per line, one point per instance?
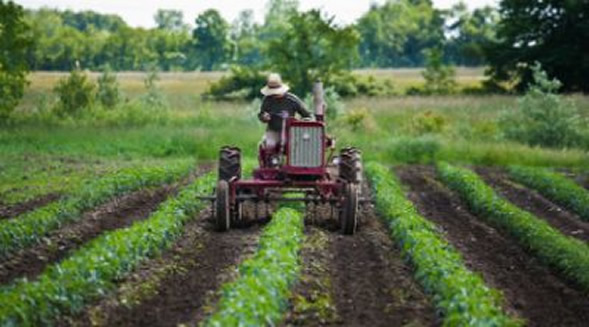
(100, 224)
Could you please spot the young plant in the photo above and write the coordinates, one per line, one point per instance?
(554, 186)
(260, 294)
(461, 295)
(568, 255)
(90, 272)
(29, 228)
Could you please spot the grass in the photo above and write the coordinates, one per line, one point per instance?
(92, 270)
(567, 255)
(458, 293)
(260, 294)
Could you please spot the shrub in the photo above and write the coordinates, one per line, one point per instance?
(439, 78)
(428, 122)
(108, 89)
(542, 117)
(75, 93)
(154, 97)
(242, 82)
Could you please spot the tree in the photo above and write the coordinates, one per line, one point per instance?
(108, 94)
(15, 42)
(469, 32)
(313, 47)
(171, 20)
(75, 93)
(551, 32)
(244, 33)
(439, 78)
(210, 37)
(396, 33)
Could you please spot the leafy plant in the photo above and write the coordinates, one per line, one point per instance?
(31, 227)
(64, 288)
(439, 78)
(154, 97)
(108, 93)
(459, 294)
(569, 255)
(259, 296)
(554, 186)
(543, 117)
(75, 93)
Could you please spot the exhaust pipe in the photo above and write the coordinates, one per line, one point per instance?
(318, 101)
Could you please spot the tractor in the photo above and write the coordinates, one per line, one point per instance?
(302, 163)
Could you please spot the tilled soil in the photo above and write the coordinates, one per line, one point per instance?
(372, 285)
(532, 291)
(11, 211)
(558, 217)
(118, 213)
(193, 270)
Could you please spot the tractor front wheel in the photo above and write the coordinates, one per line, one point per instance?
(349, 210)
(222, 207)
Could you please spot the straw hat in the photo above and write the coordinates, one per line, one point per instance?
(274, 86)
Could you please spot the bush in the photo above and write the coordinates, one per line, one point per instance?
(154, 97)
(439, 78)
(242, 82)
(75, 93)
(108, 89)
(349, 85)
(543, 117)
(428, 122)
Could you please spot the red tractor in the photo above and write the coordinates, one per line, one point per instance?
(302, 163)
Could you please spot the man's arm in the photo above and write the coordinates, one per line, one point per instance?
(264, 115)
(300, 106)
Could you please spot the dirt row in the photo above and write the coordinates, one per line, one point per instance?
(532, 291)
(558, 217)
(10, 211)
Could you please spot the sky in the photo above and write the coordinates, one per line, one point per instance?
(140, 12)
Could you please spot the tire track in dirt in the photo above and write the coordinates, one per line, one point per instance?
(118, 213)
(372, 284)
(14, 210)
(531, 290)
(557, 216)
(180, 285)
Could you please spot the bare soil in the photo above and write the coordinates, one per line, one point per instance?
(193, 270)
(557, 216)
(118, 213)
(531, 290)
(14, 210)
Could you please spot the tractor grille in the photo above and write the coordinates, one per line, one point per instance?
(306, 149)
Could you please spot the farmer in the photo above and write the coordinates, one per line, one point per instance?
(277, 99)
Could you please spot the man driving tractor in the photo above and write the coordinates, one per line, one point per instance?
(278, 104)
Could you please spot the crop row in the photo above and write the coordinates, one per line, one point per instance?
(260, 294)
(29, 228)
(568, 255)
(90, 272)
(459, 294)
(557, 187)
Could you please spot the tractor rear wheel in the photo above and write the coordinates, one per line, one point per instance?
(222, 208)
(229, 163)
(350, 165)
(349, 210)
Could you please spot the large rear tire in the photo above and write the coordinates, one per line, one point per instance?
(222, 207)
(349, 210)
(229, 163)
(350, 165)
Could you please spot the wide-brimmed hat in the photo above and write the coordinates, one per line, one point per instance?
(274, 86)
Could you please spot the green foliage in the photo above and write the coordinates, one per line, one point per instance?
(543, 117)
(154, 97)
(31, 227)
(90, 272)
(350, 85)
(333, 102)
(552, 32)
(15, 43)
(109, 94)
(415, 150)
(427, 123)
(395, 33)
(76, 93)
(313, 47)
(260, 294)
(211, 39)
(568, 255)
(439, 78)
(458, 293)
(243, 82)
(554, 186)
